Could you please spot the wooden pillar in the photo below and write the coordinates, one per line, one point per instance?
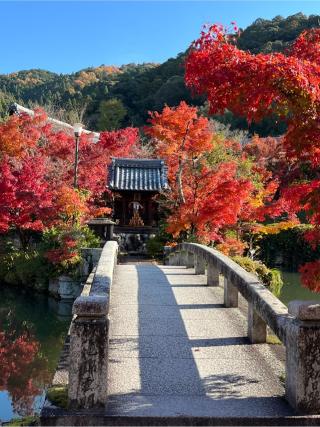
(149, 211)
(123, 213)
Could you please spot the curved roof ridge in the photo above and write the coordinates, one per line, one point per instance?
(126, 174)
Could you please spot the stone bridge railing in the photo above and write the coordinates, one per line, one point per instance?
(89, 333)
(297, 326)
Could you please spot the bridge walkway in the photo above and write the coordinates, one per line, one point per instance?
(176, 351)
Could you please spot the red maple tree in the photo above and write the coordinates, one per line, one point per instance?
(25, 202)
(255, 86)
(36, 173)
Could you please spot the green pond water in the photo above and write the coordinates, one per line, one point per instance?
(292, 289)
(32, 332)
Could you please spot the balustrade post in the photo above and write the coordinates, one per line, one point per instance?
(230, 294)
(166, 254)
(182, 258)
(176, 258)
(199, 264)
(212, 275)
(257, 327)
(189, 260)
(303, 357)
(88, 353)
(172, 258)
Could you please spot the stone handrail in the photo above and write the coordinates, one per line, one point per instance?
(298, 326)
(89, 335)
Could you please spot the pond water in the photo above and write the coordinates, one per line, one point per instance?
(32, 333)
(292, 289)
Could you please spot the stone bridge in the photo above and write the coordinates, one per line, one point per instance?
(185, 344)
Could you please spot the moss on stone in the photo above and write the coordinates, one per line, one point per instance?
(282, 377)
(32, 420)
(273, 339)
(58, 396)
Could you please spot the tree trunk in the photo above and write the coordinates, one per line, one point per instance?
(179, 182)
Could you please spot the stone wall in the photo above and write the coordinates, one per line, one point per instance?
(65, 287)
(82, 368)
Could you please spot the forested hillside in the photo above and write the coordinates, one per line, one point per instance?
(277, 34)
(109, 97)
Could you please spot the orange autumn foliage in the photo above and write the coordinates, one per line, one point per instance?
(232, 246)
(70, 203)
(203, 200)
(18, 135)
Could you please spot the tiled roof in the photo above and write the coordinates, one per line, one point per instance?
(57, 124)
(138, 175)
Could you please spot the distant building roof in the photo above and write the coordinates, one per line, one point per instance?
(138, 175)
(18, 109)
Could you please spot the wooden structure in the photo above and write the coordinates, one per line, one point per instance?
(135, 183)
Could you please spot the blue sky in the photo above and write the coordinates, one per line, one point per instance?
(68, 36)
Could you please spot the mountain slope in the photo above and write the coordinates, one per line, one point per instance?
(139, 88)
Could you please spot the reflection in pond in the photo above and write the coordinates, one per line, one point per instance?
(32, 332)
(23, 369)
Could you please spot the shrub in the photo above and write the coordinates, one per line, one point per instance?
(29, 269)
(269, 277)
(155, 244)
(61, 247)
(58, 395)
(57, 253)
(155, 247)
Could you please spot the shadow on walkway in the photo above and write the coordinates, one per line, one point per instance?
(177, 372)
